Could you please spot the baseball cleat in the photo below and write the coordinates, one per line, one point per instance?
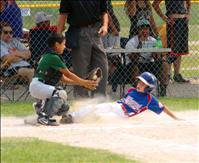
(44, 120)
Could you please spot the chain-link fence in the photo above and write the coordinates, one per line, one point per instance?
(132, 26)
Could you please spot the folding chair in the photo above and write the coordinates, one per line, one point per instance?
(13, 86)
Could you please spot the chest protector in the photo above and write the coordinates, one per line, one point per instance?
(52, 76)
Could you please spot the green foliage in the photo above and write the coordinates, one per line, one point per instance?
(34, 150)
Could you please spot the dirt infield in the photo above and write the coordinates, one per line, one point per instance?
(147, 137)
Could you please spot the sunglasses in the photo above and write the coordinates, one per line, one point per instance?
(8, 32)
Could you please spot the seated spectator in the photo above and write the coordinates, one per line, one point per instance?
(38, 39)
(11, 13)
(14, 53)
(151, 62)
(42, 21)
(112, 39)
(136, 9)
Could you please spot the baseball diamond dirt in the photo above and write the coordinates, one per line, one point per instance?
(147, 137)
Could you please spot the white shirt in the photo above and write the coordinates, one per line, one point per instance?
(133, 44)
(15, 44)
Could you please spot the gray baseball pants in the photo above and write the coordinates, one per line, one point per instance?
(89, 55)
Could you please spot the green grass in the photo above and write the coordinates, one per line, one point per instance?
(23, 150)
(194, 47)
(181, 104)
(16, 109)
(25, 108)
(34, 150)
(189, 66)
(190, 73)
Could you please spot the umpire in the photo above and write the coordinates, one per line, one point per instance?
(88, 22)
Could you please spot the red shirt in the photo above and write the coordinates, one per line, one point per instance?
(52, 28)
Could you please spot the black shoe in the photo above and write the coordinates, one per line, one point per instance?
(66, 119)
(44, 120)
(178, 78)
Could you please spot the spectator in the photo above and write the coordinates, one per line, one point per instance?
(15, 53)
(137, 9)
(38, 38)
(176, 17)
(151, 62)
(11, 13)
(112, 39)
(88, 21)
(43, 21)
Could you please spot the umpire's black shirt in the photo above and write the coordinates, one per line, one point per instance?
(83, 12)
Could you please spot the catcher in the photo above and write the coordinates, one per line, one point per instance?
(134, 102)
(51, 69)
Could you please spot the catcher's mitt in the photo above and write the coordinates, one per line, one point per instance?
(95, 74)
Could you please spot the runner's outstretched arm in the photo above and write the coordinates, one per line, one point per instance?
(169, 113)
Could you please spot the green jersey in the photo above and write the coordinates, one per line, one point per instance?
(50, 60)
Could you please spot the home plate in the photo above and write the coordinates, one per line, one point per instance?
(31, 120)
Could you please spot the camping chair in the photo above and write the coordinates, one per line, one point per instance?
(13, 86)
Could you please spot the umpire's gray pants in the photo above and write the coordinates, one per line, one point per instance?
(89, 55)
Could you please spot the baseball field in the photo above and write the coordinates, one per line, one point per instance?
(144, 138)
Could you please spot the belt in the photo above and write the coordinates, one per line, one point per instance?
(176, 16)
(91, 25)
(41, 80)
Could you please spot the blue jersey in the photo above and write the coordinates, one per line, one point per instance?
(135, 102)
